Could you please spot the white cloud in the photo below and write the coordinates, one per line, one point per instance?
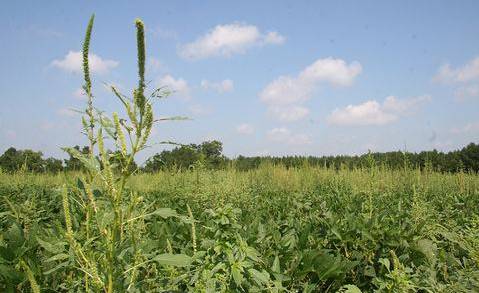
(284, 135)
(469, 91)
(465, 78)
(368, 113)
(468, 72)
(335, 71)
(179, 87)
(224, 86)
(373, 113)
(274, 38)
(394, 105)
(245, 128)
(285, 95)
(289, 113)
(72, 62)
(228, 39)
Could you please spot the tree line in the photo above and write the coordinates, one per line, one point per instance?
(209, 155)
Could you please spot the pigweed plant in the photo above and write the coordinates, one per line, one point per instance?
(105, 220)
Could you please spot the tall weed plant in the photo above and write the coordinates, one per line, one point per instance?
(106, 222)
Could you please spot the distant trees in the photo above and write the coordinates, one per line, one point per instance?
(27, 160)
(53, 165)
(209, 155)
(466, 159)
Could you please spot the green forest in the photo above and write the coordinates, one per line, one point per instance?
(209, 155)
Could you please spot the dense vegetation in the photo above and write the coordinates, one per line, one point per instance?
(196, 223)
(209, 155)
(268, 229)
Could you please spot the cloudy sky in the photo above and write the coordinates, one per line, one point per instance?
(299, 77)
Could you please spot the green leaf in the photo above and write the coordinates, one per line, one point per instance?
(349, 289)
(276, 268)
(177, 260)
(60, 256)
(91, 163)
(260, 277)
(252, 253)
(165, 213)
(385, 262)
(80, 184)
(237, 275)
(52, 248)
(174, 118)
(15, 236)
(59, 266)
(428, 249)
(10, 274)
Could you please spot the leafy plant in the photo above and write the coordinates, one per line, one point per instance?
(105, 221)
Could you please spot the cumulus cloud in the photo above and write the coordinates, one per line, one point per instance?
(228, 39)
(245, 128)
(465, 78)
(466, 73)
(284, 135)
(274, 38)
(179, 87)
(288, 114)
(374, 113)
(285, 95)
(468, 91)
(72, 62)
(223, 86)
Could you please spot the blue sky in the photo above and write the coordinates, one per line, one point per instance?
(295, 77)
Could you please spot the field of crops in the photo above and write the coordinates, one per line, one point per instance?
(267, 230)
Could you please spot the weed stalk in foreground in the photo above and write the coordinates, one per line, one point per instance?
(104, 224)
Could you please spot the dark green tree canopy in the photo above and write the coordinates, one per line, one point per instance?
(209, 154)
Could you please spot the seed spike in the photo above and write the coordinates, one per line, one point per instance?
(140, 40)
(86, 49)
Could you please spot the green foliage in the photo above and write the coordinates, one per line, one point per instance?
(271, 229)
(26, 160)
(208, 154)
(355, 224)
(466, 159)
(185, 156)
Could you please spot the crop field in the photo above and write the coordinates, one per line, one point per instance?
(191, 219)
(268, 230)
